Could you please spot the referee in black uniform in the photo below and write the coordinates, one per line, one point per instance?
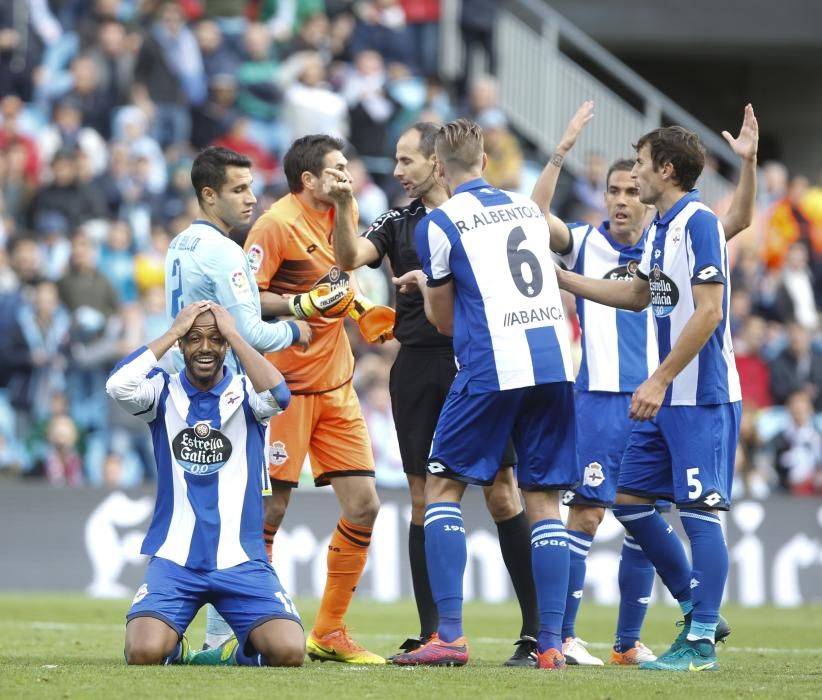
(420, 380)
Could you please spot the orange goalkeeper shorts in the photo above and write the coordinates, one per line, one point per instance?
(330, 429)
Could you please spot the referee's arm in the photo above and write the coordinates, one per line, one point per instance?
(350, 250)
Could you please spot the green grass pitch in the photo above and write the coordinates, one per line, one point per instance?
(71, 647)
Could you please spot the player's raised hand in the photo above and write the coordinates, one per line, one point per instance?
(185, 319)
(581, 117)
(410, 282)
(337, 185)
(745, 145)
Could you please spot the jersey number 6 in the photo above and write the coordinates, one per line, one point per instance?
(522, 257)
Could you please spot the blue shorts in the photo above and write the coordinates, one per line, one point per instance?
(686, 454)
(603, 428)
(473, 429)
(246, 595)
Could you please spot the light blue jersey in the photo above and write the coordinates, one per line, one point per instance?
(619, 349)
(203, 263)
(209, 449)
(683, 248)
(510, 329)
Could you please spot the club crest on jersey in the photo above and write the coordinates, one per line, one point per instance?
(664, 293)
(623, 272)
(594, 475)
(141, 593)
(200, 449)
(255, 257)
(277, 453)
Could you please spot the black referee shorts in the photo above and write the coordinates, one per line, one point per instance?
(419, 382)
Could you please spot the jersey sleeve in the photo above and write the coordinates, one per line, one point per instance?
(434, 251)
(232, 289)
(265, 250)
(380, 234)
(136, 383)
(577, 234)
(706, 239)
(269, 403)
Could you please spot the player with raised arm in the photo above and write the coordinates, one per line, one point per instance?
(488, 280)
(420, 379)
(618, 354)
(204, 263)
(207, 425)
(292, 258)
(682, 447)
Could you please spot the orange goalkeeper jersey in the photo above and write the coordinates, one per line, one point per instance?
(289, 249)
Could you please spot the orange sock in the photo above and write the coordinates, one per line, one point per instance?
(268, 538)
(347, 554)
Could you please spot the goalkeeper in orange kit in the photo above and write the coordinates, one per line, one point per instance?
(291, 255)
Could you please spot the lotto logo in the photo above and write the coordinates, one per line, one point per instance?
(707, 273)
(644, 600)
(577, 594)
(436, 468)
(694, 583)
(712, 499)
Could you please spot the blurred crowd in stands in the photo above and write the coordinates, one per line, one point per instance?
(104, 103)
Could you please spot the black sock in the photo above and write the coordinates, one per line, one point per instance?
(515, 544)
(426, 608)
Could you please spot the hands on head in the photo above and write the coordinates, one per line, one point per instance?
(188, 314)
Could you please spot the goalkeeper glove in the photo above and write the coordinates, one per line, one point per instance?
(326, 298)
(375, 321)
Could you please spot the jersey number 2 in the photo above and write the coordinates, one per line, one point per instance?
(176, 288)
(518, 258)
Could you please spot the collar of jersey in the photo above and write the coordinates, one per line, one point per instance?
(216, 390)
(692, 196)
(605, 229)
(208, 223)
(471, 185)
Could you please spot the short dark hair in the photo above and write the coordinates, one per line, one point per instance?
(208, 169)
(428, 136)
(619, 166)
(307, 154)
(681, 148)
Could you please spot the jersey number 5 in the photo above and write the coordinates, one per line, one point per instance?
(519, 258)
(176, 288)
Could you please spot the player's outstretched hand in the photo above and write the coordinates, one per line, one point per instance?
(304, 339)
(583, 115)
(185, 319)
(410, 282)
(225, 321)
(745, 145)
(337, 185)
(647, 399)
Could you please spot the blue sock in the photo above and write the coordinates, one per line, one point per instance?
(660, 544)
(174, 656)
(636, 581)
(710, 556)
(445, 555)
(550, 560)
(243, 659)
(579, 544)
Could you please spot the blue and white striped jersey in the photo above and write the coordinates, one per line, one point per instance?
(204, 263)
(619, 349)
(209, 448)
(683, 248)
(510, 329)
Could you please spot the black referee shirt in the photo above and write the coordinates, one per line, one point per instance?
(393, 235)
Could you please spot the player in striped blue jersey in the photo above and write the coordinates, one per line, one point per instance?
(205, 543)
(488, 280)
(204, 263)
(618, 353)
(688, 410)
